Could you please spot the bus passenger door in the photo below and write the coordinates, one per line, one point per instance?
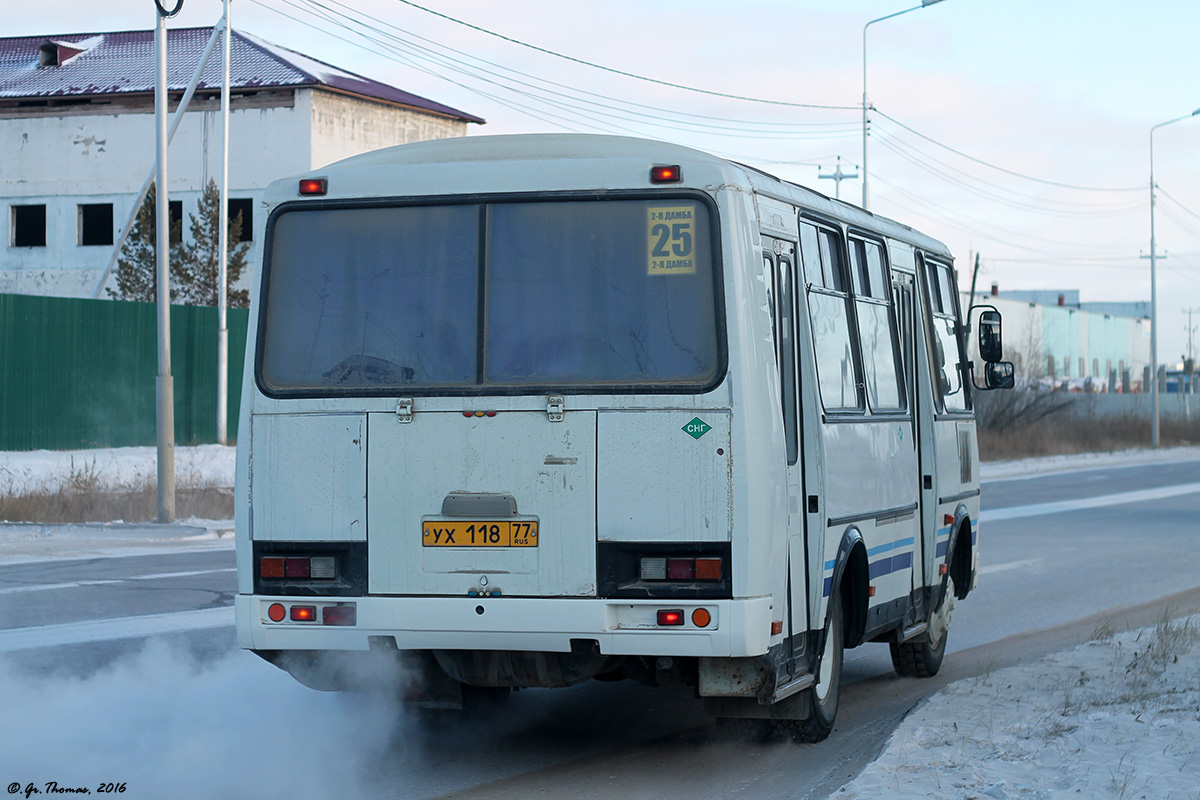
(917, 385)
(780, 259)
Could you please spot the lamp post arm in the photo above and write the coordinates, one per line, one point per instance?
(1154, 427)
(866, 172)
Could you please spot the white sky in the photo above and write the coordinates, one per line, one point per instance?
(1061, 90)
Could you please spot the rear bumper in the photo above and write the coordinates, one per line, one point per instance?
(739, 628)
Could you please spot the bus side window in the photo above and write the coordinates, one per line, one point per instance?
(876, 327)
(946, 357)
(781, 296)
(787, 361)
(829, 313)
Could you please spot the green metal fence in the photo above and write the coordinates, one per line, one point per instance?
(80, 373)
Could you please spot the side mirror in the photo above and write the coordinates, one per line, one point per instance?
(991, 348)
(999, 375)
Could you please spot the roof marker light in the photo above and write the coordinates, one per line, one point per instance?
(313, 186)
(666, 174)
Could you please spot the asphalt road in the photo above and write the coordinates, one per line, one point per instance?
(1120, 549)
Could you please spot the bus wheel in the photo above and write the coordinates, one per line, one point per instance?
(825, 695)
(922, 658)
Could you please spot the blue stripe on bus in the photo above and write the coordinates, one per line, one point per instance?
(884, 566)
(883, 548)
(943, 546)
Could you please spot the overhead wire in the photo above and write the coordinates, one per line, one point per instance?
(623, 72)
(980, 161)
(974, 186)
(533, 90)
(571, 108)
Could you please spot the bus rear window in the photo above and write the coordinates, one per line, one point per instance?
(512, 296)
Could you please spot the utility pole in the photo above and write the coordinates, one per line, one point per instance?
(1189, 360)
(837, 176)
(223, 247)
(1190, 330)
(164, 386)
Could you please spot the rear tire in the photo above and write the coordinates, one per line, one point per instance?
(922, 657)
(825, 696)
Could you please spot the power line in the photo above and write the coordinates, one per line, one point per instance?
(622, 72)
(1002, 169)
(405, 51)
(968, 183)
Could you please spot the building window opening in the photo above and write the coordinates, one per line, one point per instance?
(95, 224)
(28, 226)
(245, 207)
(175, 212)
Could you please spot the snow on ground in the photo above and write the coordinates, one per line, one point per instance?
(1117, 717)
(1050, 465)
(113, 467)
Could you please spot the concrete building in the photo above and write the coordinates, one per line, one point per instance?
(77, 137)
(1054, 338)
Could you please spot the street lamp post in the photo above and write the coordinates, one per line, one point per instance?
(1154, 286)
(866, 203)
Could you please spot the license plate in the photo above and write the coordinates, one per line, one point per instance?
(476, 533)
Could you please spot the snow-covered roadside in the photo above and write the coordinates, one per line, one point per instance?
(113, 467)
(1049, 465)
(209, 465)
(1117, 717)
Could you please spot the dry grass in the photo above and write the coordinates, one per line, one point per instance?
(84, 497)
(1027, 424)
(1054, 436)
(129, 505)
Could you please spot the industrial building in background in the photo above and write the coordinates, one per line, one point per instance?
(77, 133)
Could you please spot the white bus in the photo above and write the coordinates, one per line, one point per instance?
(525, 411)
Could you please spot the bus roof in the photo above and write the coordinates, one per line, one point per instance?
(613, 151)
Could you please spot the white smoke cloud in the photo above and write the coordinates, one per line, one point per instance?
(165, 725)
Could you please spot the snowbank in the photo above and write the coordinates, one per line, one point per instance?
(113, 467)
(1118, 717)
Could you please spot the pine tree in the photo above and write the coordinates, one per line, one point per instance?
(193, 278)
(137, 267)
(196, 269)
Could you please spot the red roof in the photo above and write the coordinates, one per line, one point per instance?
(91, 64)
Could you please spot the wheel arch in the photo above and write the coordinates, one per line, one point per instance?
(960, 554)
(851, 577)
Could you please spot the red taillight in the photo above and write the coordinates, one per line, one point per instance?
(670, 616)
(666, 174)
(338, 615)
(295, 568)
(314, 186)
(304, 613)
(270, 568)
(681, 569)
(276, 612)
